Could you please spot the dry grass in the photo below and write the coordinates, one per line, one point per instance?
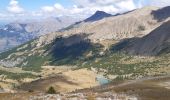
(147, 90)
(64, 82)
(83, 78)
(48, 70)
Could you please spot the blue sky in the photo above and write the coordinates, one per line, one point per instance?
(35, 4)
(25, 9)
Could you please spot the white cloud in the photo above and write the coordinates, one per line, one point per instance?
(14, 7)
(110, 6)
(2, 15)
(127, 5)
(80, 8)
(160, 3)
(57, 9)
(106, 2)
(88, 7)
(48, 9)
(59, 6)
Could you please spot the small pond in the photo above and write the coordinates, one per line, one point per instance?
(102, 80)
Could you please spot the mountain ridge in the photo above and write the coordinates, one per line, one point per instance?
(98, 15)
(17, 32)
(96, 35)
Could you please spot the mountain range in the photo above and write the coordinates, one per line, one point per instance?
(142, 32)
(136, 23)
(19, 32)
(125, 53)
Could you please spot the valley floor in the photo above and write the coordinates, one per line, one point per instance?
(81, 84)
(155, 88)
(66, 81)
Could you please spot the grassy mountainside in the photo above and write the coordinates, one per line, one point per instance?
(77, 50)
(63, 50)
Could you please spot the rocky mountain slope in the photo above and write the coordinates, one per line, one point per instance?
(17, 33)
(135, 23)
(88, 43)
(155, 43)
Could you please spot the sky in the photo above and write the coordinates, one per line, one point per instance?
(11, 10)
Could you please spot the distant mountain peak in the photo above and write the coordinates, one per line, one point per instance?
(98, 15)
(100, 12)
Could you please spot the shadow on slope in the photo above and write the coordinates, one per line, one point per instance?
(161, 14)
(68, 50)
(155, 43)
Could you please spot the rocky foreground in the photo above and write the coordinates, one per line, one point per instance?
(70, 96)
(84, 96)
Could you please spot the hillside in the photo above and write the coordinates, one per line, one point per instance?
(124, 56)
(89, 45)
(110, 28)
(84, 50)
(136, 23)
(155, 43)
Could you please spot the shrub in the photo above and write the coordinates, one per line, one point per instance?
(30, 91)
(141, 28)
(51, 90)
